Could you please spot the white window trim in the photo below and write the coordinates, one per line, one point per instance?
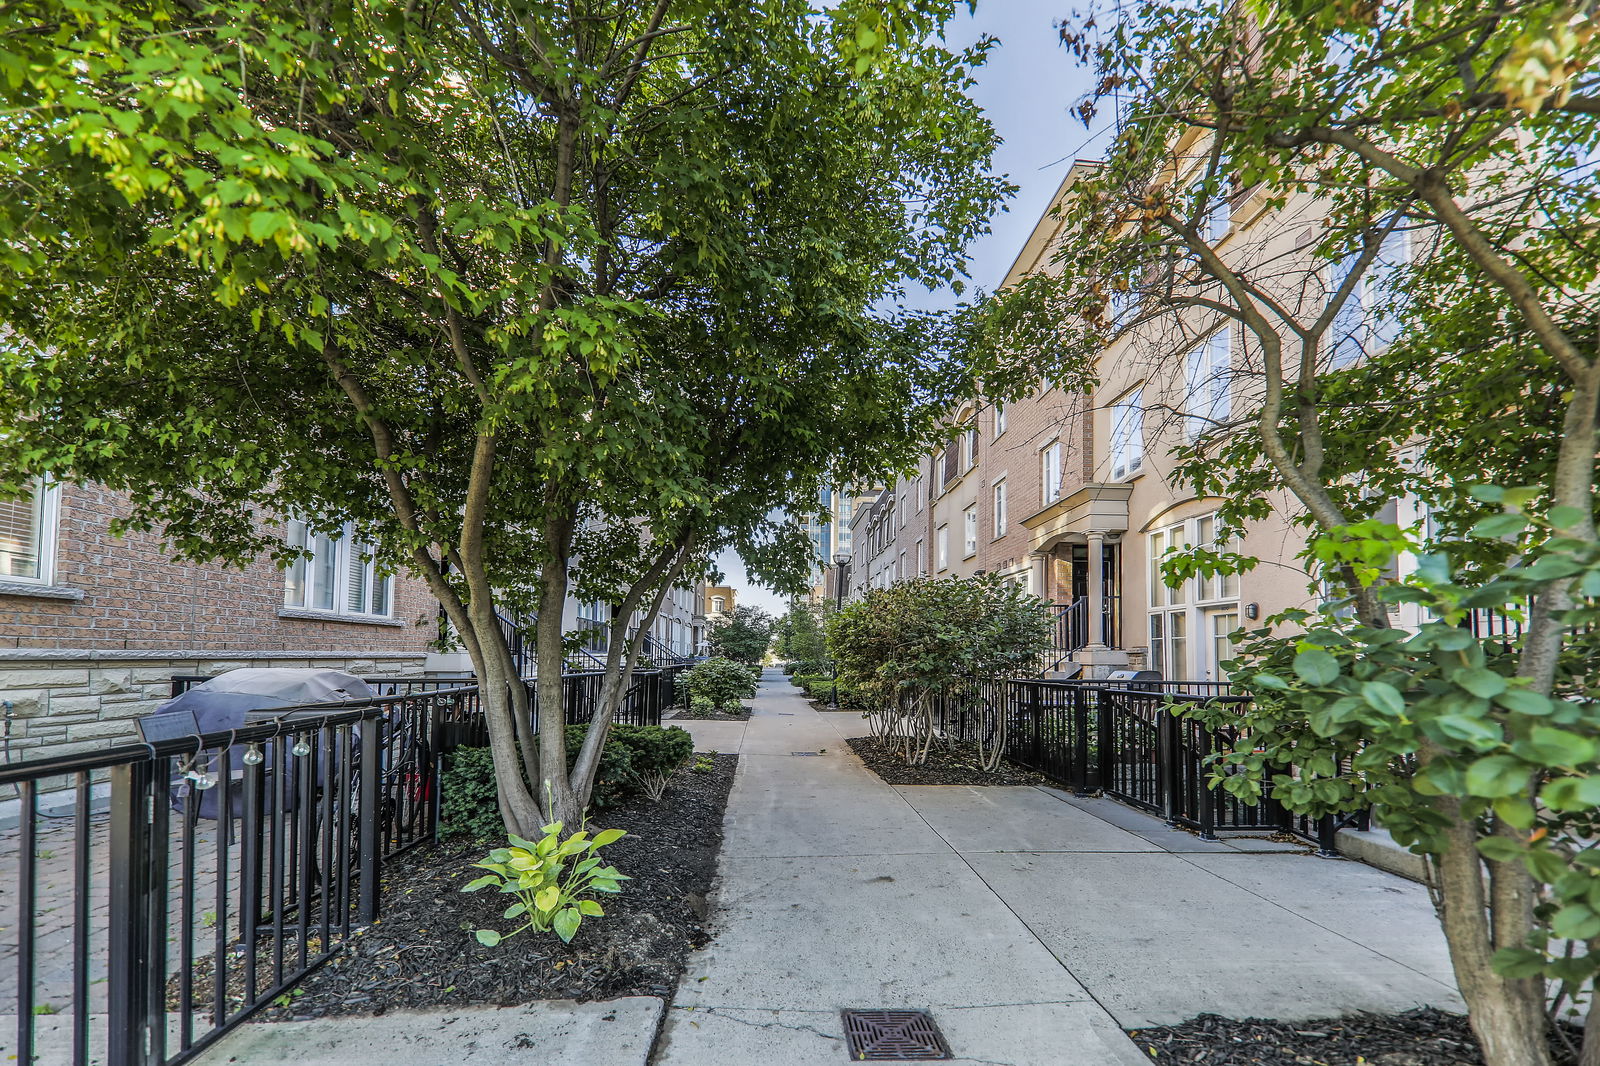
(999, 420)
(49, 496)
(942, 544)
(969, 531)
(1127, 445)
(1050, 472)
(342, 542)
(1000, 493)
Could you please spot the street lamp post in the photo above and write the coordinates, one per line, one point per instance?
(841, 563)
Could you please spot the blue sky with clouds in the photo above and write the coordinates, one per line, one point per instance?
(1026, 89)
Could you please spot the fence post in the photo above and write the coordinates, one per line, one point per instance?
(1169, 746)
(371, 777)
(1207, 797)
(1107, 731)
(136, 1028)
(1327, 834)
(1083, 776)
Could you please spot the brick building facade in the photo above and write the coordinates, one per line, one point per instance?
(93, 626)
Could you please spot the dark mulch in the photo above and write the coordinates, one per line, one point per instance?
(422, 953)
(741, 715)
(945, 766)
(1416, 1038)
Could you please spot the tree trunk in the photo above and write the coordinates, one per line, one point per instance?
(519, 809)
(1507, 1015)
(554, 784)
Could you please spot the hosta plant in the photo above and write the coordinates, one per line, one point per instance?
(552, 879)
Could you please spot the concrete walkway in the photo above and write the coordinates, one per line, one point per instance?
(1034, 926)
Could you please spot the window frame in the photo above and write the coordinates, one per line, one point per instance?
(999, 420)
(1127, 435)
(1000, 495)
(942, 546)
(46, 507)
(969, 531)
(1050, 480)
(342, 544)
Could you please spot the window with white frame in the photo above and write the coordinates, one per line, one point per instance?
(969, 527)
(1207, 374)
(902, 510)
(1368, 320)
(943, 547)
(716, 604)
(921, 493)
(1207, 607)
(969, 446)
(341, 577)
(1050, 472)
(28, 535)
(922, 559)
(1002, 518)
(901, 573)
(999, 419)
(1127, 435)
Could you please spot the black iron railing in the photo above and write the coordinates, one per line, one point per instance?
(1125, 741)
(1069, 634)
(228, 866)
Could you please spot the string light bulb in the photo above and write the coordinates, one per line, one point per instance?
(252, 755)
(301, 747)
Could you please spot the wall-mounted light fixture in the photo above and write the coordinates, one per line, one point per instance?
(1252, 611)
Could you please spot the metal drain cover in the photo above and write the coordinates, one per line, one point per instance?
(805, 753)
(893, 1036)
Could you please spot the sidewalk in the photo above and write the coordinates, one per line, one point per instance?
(1033, 926)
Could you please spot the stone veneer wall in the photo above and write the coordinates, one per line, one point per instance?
(62, 702)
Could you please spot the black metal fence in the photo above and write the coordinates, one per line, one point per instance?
(1123, 740)
(227, 867)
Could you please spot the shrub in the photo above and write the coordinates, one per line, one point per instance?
(722, 681)
(469, 800)
(469, 803)
(552, 880)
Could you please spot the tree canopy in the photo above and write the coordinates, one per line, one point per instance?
(506, 285)
(1393, 206)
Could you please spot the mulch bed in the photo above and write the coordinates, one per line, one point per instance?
(713, 716)
(422, 954)
(945, 766)
(1416, 1038)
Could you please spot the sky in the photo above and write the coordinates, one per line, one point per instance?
(1026, 89)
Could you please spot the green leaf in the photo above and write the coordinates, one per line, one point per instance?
(1497, 775)
(487, 937)
(514, 910)
(480, 882)
(1500, 849)
(1522, 701)
(1487, 493)
(1316, 667)
(607, 836)
(566, 923)
(590, 908)
(1500, 525)
(547, 898)
(1571, 793)
(1480, 681)
(1565, 517)
(1518, 963)
(1384, 697)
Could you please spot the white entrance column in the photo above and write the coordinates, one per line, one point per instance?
(1097, 591)
(1038, 571)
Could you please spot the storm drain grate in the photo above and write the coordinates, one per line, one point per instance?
(893, 1036)
(805, 753)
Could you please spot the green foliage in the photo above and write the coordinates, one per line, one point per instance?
(499, 305)
(923, 636)
(798, 636)
(552, 879)
(469, 803)
(743, 635)
(1437, 729)
(719, 684)
(467, 791)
